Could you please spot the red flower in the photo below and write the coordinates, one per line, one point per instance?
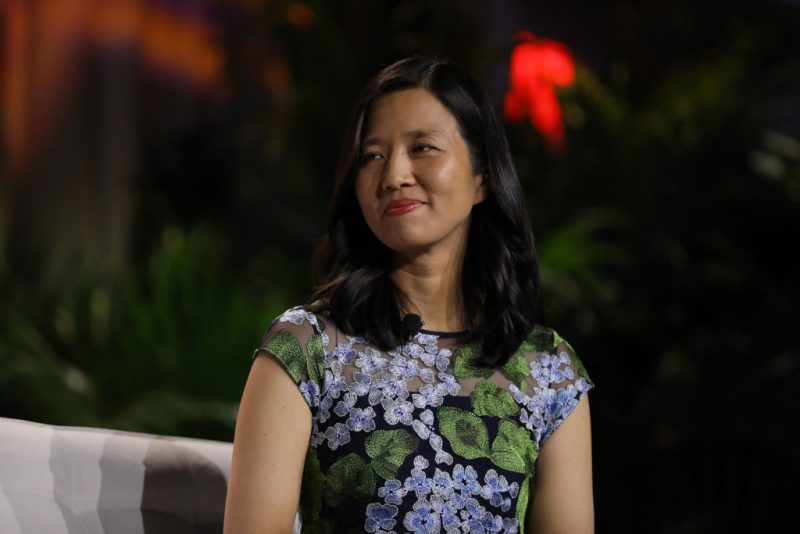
(537, 67)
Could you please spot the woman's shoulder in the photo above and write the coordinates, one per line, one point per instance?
(545, 348)
(547, 379)
(543, 339)
(297, 326)
(298, 318)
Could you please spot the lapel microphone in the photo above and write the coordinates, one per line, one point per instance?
(412, 323)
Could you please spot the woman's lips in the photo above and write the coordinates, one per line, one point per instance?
(399, 207)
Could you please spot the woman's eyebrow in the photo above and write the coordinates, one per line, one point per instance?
(411, 134)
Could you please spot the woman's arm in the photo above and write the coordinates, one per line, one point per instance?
(562, 500)
(269, 450)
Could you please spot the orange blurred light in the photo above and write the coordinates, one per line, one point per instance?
(44, 44)
(116, 23)
(538, 66)
(277, 76)
(14, 85)
(300, 15)
(182, 46)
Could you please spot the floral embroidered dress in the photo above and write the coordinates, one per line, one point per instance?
(419, 439)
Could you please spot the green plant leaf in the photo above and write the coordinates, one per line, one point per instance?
(315, 357)
(513, 449)
(465, 431)
(465, 364)
(490, 400)
(350, 475)
(389, 449)
(286, 348)
(540, 340)
(522, 501)
(516, 369)
(313, 486)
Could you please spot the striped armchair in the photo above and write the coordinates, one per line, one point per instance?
(66, 480)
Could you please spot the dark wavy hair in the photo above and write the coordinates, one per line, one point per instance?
(500, 279)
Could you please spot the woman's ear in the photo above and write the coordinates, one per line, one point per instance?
(480, 189)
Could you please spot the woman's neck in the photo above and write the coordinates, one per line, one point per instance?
(431, 289)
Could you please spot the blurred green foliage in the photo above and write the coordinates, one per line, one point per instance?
(162, 352)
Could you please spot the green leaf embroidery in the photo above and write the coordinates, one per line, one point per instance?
(488, 399)
(516, 369)
(388, 450)
(541, 339)
(465, 431)
(313, 485)
(513, 449)
(350, 475)
(465, 366)
(557, 340)
(522, 502)
(315, 359)
(286, 348)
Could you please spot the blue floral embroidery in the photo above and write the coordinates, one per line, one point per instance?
(442, 484)
(478, 520)
(371, 362)
(380, 516)
(418, 482)
(362, 385)
(434, 357)
(403, 368)
(428, 396)
(442, 457)
(466, 480)
(334, 383)
(510, 525)
(424, 425)
(449, 383)
(443, 497)
(450, 519)
(397, 411)
(392, 492)
(424, 519)
(361, 420)
(440, 506)
(494, 489)
(296, 316)
(344, 353)
(310, 391)
(543, 412)
(427, 375)
(392, 387)
(324, 412)
(337, 435)
(344, 406)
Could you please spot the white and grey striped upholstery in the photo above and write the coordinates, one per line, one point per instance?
(67, 480)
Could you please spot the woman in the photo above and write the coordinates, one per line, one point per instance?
(371, 423)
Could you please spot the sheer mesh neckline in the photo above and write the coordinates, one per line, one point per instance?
(445, 335)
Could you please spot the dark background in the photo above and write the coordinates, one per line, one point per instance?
(166, 166)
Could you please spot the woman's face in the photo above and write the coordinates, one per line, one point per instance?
(415, 183)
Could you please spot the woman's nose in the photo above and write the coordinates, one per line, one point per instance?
(397, 172)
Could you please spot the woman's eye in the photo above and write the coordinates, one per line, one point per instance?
(370, 156)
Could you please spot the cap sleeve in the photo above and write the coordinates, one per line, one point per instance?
(296, 339)
(556, 383)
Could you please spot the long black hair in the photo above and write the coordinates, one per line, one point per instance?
(500, 278)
